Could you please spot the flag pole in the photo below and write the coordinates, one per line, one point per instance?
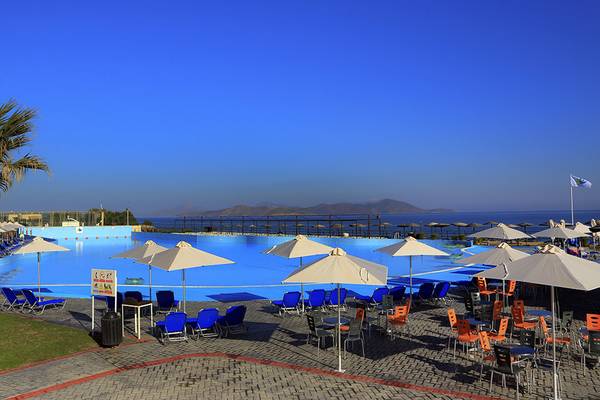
(572, 212)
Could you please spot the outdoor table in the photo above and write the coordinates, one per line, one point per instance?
(137, 315)
(519, 350)
(539, 313)
(477, 323)
(333, 321)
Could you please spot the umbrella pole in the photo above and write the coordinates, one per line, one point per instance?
(301, 289)
(39, 276)
(150, 282)
(183, 283)
(554, 373)
(339, 331)
(410, 279)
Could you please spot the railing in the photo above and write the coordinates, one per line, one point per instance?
(50, 218)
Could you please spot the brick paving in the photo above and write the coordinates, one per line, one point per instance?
(412, 366)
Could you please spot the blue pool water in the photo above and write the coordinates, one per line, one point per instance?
(68, 273)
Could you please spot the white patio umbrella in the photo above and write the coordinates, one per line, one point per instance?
(148, 249)
(299, 247)
(555, 268)
(501, 254)
(182, 257)
(39, 245)
(501, 232)
(340, 268)
(582, 228)
(560, 232)
(410, 247)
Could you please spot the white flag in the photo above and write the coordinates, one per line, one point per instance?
(580, 182)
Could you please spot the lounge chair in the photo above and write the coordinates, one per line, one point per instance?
(233, 320)
(398, 293)
(376, 298)
(205, 324)
(333, 298)
(35, 304)
(440, 292)
(11, 300)
(165, 301)
(172, 328)
(134, 294)
(110, 302)
(425, 291)
(288, 304)
(316, 299)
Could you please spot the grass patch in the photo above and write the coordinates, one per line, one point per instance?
(26, 340)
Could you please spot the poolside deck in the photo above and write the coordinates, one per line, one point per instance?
(272, 361)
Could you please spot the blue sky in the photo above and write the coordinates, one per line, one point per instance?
(160, 105)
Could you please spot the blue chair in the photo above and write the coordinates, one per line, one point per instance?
(172, 328)
(233, 320)
(165, 301)
(398, 293)
(440, 292)
(333, 298)
(425, 291)
(377, 296)
(205, 324)
(316, 299)
(289, 303)
(134, 294)
(110, 302)
(35, 304)
(11, 300)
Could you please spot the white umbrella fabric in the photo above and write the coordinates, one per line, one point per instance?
(501, 232)
(148, 249)
(299, 247)
(501, 254)
(555, 268)
(39, 245)
(182, 257)
(340, 268)
(582, 228)
(411, 247)
(559, 232)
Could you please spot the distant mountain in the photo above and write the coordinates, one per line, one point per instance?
(386, 206)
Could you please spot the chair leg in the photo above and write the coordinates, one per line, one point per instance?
(491, 381)
(362, 342)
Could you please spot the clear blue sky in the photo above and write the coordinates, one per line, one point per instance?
(483, 105)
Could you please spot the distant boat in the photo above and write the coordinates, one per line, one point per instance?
(134, 281)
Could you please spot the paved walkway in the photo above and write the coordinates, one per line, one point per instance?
(272, 361)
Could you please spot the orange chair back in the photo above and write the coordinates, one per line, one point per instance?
(497, 309)
(484, 341)
(360, 314)
(512, 286)
(544, 326)
(400, 313)
(481, 284)
(519, 304)
(463, 326)
(503, 327)
(592, 322)
(517, 314)
(452, 317)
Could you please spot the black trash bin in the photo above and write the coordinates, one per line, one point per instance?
(112, 333)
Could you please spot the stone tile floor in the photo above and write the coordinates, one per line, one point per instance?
(272, 361)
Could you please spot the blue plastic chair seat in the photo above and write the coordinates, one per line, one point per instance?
(278, 303)
(50, 302)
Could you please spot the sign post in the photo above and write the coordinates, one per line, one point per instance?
(104, 283)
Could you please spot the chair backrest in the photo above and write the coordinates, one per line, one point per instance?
(519, 304)
(355, 328)
(311, 323)
(567, 320)
(512, 286)
(401, 313)
(527, 337)
(9, 294)
(360, 313)
(503, 327)
(476, 298)
(441, 290)
(397, 293)
(452, 317)
(29, 296)
(481, 284)
(544, 326)
(235, 315)
(592, 322)
(110, 301)
(133, 294)
(503, 359)
(497, 310)
(426, 290)
(594, 342)
(484, 341)
(175, 322)
(333, 298)
(207, 318)
(469, 304)
(316, 298)
(378, 294)
(165, 298)
(517, 314)
(291, 299)
(387, 302)
(463, 326)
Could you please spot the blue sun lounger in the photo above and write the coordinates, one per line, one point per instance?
(316, 299)
(35, 304)
(172, 328)
(233, 320)
(288, 304)
(11, 301)
(205, 324)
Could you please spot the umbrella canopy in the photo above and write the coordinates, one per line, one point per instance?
(182, 257)
(460, 224)
(581, 228)
(501, 254)
(340, 268)
(39, 245)
(300, 246)
(502, 232)
(559, 232)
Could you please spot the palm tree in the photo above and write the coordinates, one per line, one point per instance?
(15, 133)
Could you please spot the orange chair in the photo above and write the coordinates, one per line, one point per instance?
(466, 337)
(482, 286)
(486, 351)
(452, 319)
(360, 315)
(518, 315)
(512, 286)
(500, 335)
(592, 322)
(560, 341)
(399, 318)
(519, 304)
(496, 311)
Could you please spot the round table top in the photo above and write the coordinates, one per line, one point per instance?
(520, 350)
(334, 320)
(539, 313)
(476, 322)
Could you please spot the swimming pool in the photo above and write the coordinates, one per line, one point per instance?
(68, 273)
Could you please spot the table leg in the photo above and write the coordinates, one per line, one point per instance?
(122, 321)
(137, 322)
